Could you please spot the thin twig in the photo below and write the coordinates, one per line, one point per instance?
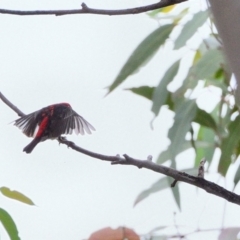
(13, 107)
(87, 10)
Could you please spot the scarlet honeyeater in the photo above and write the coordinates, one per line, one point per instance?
(50, 123)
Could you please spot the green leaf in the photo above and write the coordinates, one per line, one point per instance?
(208, 65)
(197, 56)
(9, 225)
(166, 155)
(175, 192)
(147, 92)
(16, 195)
(176, 195)
(184, 115)
(175, 189)
(179, 17)
(145, 50)
(207, 149)
(205, 119)
(154, 13)
(228, 145)
(156, 187)
(237, 176)
(169, 101)
(211, 42)
(190, 28)
(161, 93)
(167, 9)
(161, 184)
(144, 91)
(219, 74)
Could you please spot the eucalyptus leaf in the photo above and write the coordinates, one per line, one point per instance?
(16, 195)
(160, 93)
(147, 92)
(237, 176)
(205, 67)
(208, 65)
(144, 91)
(205, 119)
(176, 193)
(145, 50)
(184, 115)
(206, 150)
(161, 184)
(228, 145)
(190, 28)
(9, 225)
(166, 155)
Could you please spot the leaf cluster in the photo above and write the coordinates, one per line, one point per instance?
(194, 128)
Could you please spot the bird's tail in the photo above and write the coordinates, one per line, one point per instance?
(31, 145)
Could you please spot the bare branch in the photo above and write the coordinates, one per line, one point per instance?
(208, 186)
(14, 108)
(87, 10)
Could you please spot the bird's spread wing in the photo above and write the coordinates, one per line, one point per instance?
(27, 124)
(71, 122)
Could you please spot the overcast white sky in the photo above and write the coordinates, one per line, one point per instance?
(48, 59)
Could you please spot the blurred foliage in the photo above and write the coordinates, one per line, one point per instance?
(209, 130)
(9, 225)
(5, 218)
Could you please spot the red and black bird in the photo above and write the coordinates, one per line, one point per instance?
(50, 123)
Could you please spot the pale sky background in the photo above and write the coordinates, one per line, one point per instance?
(48, 59)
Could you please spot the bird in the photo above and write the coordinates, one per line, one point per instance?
(50, 123)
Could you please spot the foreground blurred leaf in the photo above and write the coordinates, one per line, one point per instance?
(190, 28)
(160, 93)
(145, 50)
(9, 225)
(167, 9)
(144, 91)
(197, 56)
(175, 189)
(237, 176)
(179, 17)
(166, 155)
(147, 92)
(161, 184)
(206, 135)
(155, 12)
(205, 119)
(184, 115)
(157, 186)
(208, 65)
(16, 195)
(228, 145)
